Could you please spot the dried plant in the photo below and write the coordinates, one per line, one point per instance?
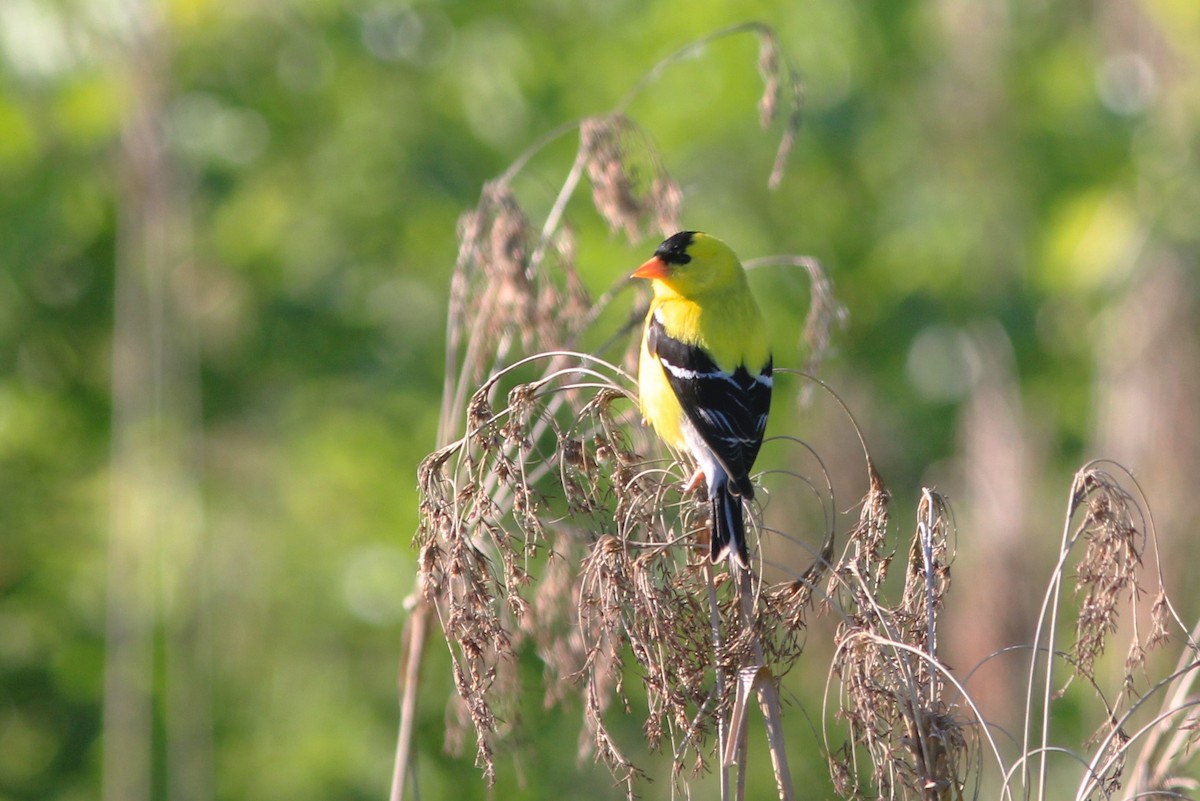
(629, 181)
(546, 525)
(550, 525)
(780, 79)
(826, 313)
(913, 729)
(543, 524)
(1116, 536)
(893, 688)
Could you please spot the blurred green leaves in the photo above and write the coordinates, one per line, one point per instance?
(1020, 164)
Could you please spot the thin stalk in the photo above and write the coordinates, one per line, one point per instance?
(722, 726)
(925, 531)
(1050, 604)
(418, 625)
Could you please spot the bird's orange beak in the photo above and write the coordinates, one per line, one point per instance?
(654, 268)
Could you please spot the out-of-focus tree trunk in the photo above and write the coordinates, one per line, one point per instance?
(157, 656)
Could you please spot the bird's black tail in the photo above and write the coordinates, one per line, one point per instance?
(728, 528)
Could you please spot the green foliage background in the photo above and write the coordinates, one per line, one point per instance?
(1012, 178)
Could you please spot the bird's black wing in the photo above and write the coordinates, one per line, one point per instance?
(728, 410)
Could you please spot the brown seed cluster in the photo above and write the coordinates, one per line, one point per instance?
(630, 186)
(1106, 576)
(549, 528)
(893, 689)
(546, 528)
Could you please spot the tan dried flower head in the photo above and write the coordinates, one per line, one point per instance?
(1107, 575)
(894, 694)
(630, 186)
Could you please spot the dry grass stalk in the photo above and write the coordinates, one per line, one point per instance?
(630, 185)
(541, 525)
(777, 74)
(627, 560)
(1160, 770)
(893, 693)
(1106, 576)
(544, 527)
(825, 312)
(1115, 534)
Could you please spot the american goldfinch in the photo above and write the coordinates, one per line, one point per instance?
(704, 375)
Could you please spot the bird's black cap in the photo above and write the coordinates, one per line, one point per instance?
(674, 249)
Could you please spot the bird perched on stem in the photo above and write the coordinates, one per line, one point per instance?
(704, 374)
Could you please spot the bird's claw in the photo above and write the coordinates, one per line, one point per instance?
(694, 481)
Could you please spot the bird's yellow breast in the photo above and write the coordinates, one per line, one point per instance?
(729, 327)
(660, 407)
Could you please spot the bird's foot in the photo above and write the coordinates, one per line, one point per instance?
(694, 481)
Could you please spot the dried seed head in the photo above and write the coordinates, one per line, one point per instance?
(575, 455)
(769, 69)
(509, 240)
(479, 413)
(864, 558)
(1107, 574)
(825, 313)
(562, 304)
(629, 183)
(666, 202)
(542, 525)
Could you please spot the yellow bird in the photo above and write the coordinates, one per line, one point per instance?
(704, 375)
